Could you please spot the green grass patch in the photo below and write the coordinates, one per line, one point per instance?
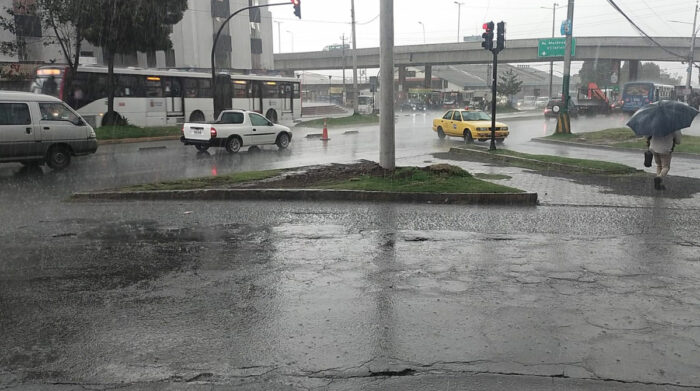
(130, 131)
(549, 162)
(446, 179)
(213, 182)
(355, 119)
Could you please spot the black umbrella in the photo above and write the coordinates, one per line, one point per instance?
(662, 118)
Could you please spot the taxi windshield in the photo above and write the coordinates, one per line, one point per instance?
(475, 116)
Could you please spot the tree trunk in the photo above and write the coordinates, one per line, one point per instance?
(110, 116)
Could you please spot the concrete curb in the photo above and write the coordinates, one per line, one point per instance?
(136, 140)
(517, 199)
(607, 147)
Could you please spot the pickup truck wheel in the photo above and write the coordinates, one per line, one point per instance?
(468, 139)
(201, 148)
(440, 132)
(282, 141)
(58, 157)
(233, 144)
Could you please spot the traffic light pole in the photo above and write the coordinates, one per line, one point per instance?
(218, 105)
(493, 101)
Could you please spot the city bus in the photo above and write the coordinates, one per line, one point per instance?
(637, 94)
(156, 97)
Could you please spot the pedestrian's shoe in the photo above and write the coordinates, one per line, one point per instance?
(657, 183)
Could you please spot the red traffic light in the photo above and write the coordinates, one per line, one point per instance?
(297, 8)
(488, 26)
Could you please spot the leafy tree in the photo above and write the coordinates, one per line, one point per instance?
(126, 26)
(649, 71)
(509, 85)
(598, 72)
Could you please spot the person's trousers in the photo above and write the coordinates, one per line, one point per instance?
(663, 163)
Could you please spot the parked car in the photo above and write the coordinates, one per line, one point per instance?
(38, 129)
(553, 107)
(413, 106)
(235, 129)
(469, 124)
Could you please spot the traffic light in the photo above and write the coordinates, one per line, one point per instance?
(501, 36)
(487, 36)
(297, 8)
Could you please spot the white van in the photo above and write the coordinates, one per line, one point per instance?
(37, 129)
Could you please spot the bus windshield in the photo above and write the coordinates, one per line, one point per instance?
(641, 89)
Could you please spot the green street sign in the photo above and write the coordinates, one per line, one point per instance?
(554, 47)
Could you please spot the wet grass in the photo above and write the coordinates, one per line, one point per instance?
(494, 177)
(130, 131)
(355, 119)
(624, 138)
(220, 181)
(443, 179)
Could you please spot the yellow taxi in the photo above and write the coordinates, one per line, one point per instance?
(469, 124)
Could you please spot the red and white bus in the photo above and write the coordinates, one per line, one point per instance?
(154, 97)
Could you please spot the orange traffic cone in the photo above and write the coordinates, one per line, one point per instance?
(324, 137)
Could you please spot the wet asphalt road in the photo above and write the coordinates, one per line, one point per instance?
(339, 296)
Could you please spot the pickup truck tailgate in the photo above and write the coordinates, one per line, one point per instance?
(194, 131)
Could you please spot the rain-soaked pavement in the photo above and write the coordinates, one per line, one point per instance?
(596, 288)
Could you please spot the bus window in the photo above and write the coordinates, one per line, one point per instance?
(96, 87)
(204, 88)
(190, 86)
(154, 89)
(240, 89)
(296, 90)
(172, 87)
(129, 85)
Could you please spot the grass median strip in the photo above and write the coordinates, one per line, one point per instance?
(547, 162)
(355, 119)
(130, 131)
(623, 138)
(367, 176)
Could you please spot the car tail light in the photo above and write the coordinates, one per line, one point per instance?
(213, 132)
(183, 130)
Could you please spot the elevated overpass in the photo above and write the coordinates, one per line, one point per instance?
(517, 51)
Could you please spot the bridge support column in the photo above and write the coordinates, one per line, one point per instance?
(634, 70)
(428, 81)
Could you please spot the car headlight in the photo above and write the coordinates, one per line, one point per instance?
(504, 128)
(481, 129)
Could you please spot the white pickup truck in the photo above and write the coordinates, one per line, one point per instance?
(235, 129)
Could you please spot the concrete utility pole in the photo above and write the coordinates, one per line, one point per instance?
(355, 94)
(342, 38)
(563, 121)
(459, 17)
(691, 56)
(279, 37)
(387, 152)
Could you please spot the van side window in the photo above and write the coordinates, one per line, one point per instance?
(56, 112)
(14, 114)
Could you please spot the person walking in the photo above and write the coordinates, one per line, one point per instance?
(662, 147)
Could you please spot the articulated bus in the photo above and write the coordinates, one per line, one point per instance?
(154, 97)
(637, 94)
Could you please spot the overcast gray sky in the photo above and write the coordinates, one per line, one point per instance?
(325, 21)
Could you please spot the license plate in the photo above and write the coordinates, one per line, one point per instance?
(197, 130)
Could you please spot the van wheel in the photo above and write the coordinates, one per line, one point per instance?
(282, 141)
(233, 144)
(271, 115)
(58, 157)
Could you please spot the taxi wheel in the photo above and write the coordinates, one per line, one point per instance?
(440, 132)
(500, 140)
(468, 137)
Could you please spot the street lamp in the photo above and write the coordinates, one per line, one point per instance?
(691, 55)
(422, 25)
(551, 63)
(291, 38)
(329, 88)
(459, 15)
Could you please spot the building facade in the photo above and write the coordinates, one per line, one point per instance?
(245, 44)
